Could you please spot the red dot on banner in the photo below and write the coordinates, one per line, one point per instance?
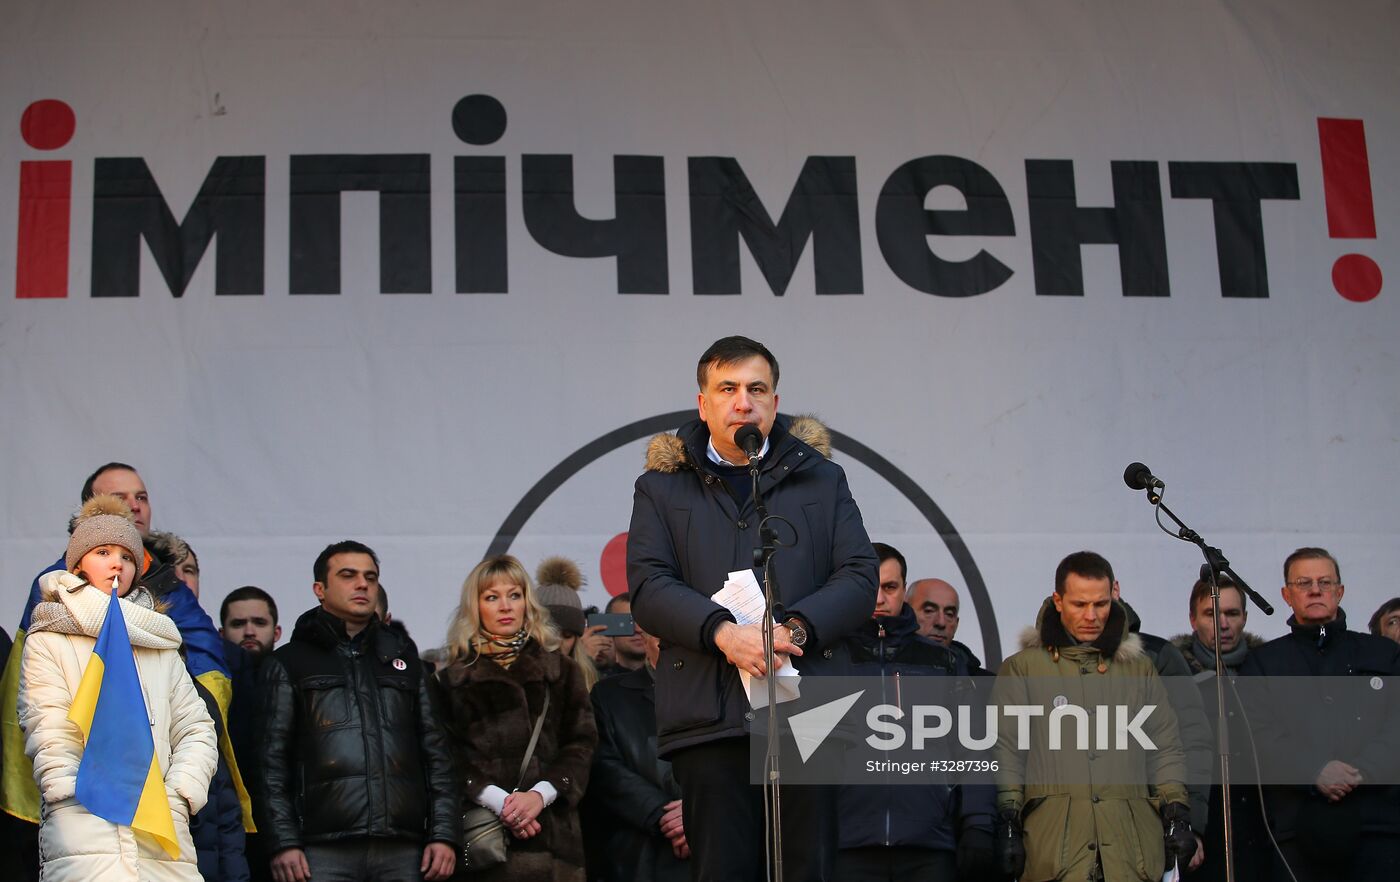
(613, 565)
(1356, 277)
(47, 124)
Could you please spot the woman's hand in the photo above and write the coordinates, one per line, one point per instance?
(521, 811)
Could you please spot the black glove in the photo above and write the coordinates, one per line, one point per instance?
(1180, 839)
(1010, 844)
(976, 854)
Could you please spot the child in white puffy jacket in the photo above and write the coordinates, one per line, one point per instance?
(105, 554)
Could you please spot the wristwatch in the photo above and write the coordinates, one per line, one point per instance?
(799, 633)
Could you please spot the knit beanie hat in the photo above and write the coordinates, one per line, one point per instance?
(104, 520)
(559, 579)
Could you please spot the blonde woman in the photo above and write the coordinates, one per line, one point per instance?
(502, 662)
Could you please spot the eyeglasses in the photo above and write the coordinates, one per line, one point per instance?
(1307, 584)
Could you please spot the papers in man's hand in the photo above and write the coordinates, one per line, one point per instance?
(743, 597)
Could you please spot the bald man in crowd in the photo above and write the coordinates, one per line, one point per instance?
(936, 606)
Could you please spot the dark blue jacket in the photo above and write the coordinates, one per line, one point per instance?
(896, 813)
(688, 532)
(1346, 718)
(217, 829)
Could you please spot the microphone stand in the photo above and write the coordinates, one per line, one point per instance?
(1215, 566)
(772, 609)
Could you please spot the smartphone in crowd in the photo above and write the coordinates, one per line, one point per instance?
(614, 624)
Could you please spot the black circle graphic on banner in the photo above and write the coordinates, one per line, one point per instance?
(479, 120)
(666, 422)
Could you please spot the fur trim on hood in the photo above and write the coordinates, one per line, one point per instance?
(666, 451)
(167, 547)
(1116, 641)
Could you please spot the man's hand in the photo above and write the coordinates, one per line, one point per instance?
(1200, 856)
(742, 646)
(439, 860)
(673, 829)
(671, 826)
(1337, 779)
(521, 811)
(594, 642)
(290, 865)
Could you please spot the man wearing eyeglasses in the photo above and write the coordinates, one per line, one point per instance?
(1332, 752)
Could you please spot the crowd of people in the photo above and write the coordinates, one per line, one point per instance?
(531, 746)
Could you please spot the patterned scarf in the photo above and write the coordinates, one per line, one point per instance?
(501, 650)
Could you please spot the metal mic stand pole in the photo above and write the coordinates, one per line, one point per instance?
(1215, 565)
(772, 607)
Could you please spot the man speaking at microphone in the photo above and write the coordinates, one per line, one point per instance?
(694, 520)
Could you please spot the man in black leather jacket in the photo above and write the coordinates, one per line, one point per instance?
(632, 794)
(356, 780)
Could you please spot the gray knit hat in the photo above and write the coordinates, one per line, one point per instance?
(559, 579)
(104, 520)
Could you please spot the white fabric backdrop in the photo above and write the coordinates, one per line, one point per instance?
(268, 426)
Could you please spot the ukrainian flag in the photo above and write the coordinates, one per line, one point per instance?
(119, 777)
(19, 796)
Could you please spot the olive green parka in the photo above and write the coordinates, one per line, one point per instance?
(1096, 797)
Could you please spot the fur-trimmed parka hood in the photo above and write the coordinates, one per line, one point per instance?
(667, 451)
(1116, 642)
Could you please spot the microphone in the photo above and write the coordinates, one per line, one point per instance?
(750, 440)
(1139, 477)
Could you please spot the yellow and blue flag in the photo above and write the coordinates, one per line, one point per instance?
(19, 795)
(203, 657)
(119, 777)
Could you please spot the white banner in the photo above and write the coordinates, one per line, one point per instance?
(415, 273)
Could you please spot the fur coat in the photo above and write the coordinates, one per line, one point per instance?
(489, 712)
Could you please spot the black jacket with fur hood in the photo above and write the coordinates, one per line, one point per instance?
(688, 533)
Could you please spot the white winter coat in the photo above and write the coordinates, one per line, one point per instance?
(73, 843)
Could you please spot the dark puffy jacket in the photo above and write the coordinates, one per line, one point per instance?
(1334, 722)
(974, 664)
(1253, 853)
(688, 533)
(217, 829)
(630, 785)
(897, 813)
(352, 745)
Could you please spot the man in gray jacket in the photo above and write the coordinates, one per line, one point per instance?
(693, 522)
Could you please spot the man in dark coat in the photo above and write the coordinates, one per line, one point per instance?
(356, 780)
(633, 795)
(1252, 849)
(1336, 814)
(1197, 739)
(891, 829)
(694, 522)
